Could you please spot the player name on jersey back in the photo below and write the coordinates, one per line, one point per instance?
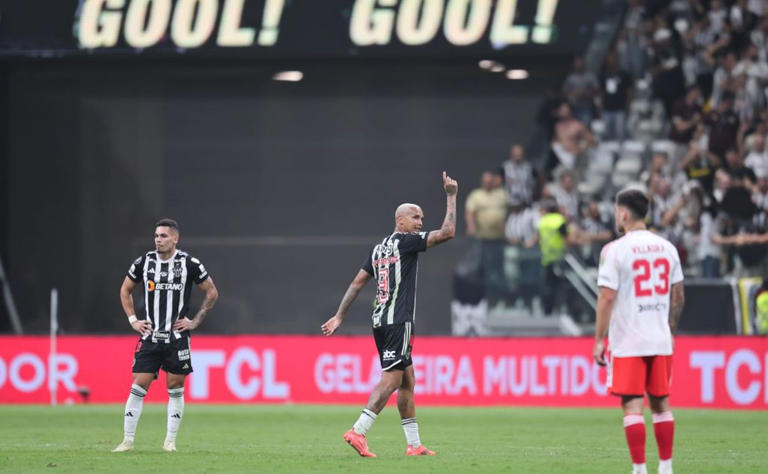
(641, 266)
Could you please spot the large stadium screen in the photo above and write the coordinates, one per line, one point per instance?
(295, 29)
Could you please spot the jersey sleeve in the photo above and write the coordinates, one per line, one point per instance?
(135, 272)
(676, 272)
(608, 271)
(367, 265)
(197, 270)
(412, 243)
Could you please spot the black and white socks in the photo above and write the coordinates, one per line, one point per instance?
(133, 410)
(175, 412)
(411, 429)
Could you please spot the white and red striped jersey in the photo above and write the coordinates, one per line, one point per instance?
(641, 267)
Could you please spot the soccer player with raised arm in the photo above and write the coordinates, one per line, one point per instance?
(393, 264)
(639, 305)
(167, 276)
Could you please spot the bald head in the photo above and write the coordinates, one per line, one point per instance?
(408, 217)
(405, 207)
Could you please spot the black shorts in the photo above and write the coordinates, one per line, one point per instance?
(173, 357)
(394, 343)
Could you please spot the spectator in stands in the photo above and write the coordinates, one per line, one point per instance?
(757, 7)
(709, 252)
(523, 259)
(565, 194)
(661, 200)
(668, 79)
(686, 116)
(722, 183)
(741, 21)
(572, 139)
(659, 166)
(595, 230)
(757, 158)
(485, 215)
(581, 89)
(760, 194)
(745, 228)
(723, 77)
(723, 125)
(700, 164)
(520, 177)
(522, 224)
(703, 44)
(615, 95)
(632, 43)
(717, 14)
(756, 75)
(759, 37)
(738, 172)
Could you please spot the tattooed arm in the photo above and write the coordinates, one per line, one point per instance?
(448, 230)
(330, 326)
(211, 295)
(676, 303)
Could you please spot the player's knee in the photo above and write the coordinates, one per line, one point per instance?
(658, 404)
(142, 381)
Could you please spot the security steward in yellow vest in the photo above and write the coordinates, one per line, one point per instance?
(553, 241)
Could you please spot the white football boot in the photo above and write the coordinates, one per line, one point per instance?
(126, 445)
(169, 446)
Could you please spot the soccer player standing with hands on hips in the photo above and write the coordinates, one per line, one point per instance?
(639, 305)
(167, 275)
(393, 263)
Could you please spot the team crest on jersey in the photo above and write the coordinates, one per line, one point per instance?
(177, 270)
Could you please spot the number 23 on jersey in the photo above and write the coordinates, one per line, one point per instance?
(651, 276)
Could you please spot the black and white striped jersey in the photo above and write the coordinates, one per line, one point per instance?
(167, 286)
(394, 263)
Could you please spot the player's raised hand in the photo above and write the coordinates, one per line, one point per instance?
(598, 353)
(330, 326)
(450, 185)
(142, 326)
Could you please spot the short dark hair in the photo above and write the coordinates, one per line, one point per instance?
(167, 223)
(634, 200)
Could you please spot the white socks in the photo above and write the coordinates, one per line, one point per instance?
(364, 423)
(133, 410)
(175, 412)
(665, 466)
(639, 469)
(411, 429)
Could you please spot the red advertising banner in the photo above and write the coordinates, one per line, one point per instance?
(711, 372)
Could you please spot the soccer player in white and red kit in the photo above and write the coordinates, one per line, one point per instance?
(639, 305)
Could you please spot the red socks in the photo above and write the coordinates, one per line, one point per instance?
(664, 429)
(634, 428)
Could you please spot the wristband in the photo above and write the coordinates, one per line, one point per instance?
(132, 318)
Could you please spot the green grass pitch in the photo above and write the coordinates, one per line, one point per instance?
(286, 438)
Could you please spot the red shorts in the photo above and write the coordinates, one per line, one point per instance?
(638, 375)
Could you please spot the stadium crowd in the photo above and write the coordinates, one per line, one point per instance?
(679, 108)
